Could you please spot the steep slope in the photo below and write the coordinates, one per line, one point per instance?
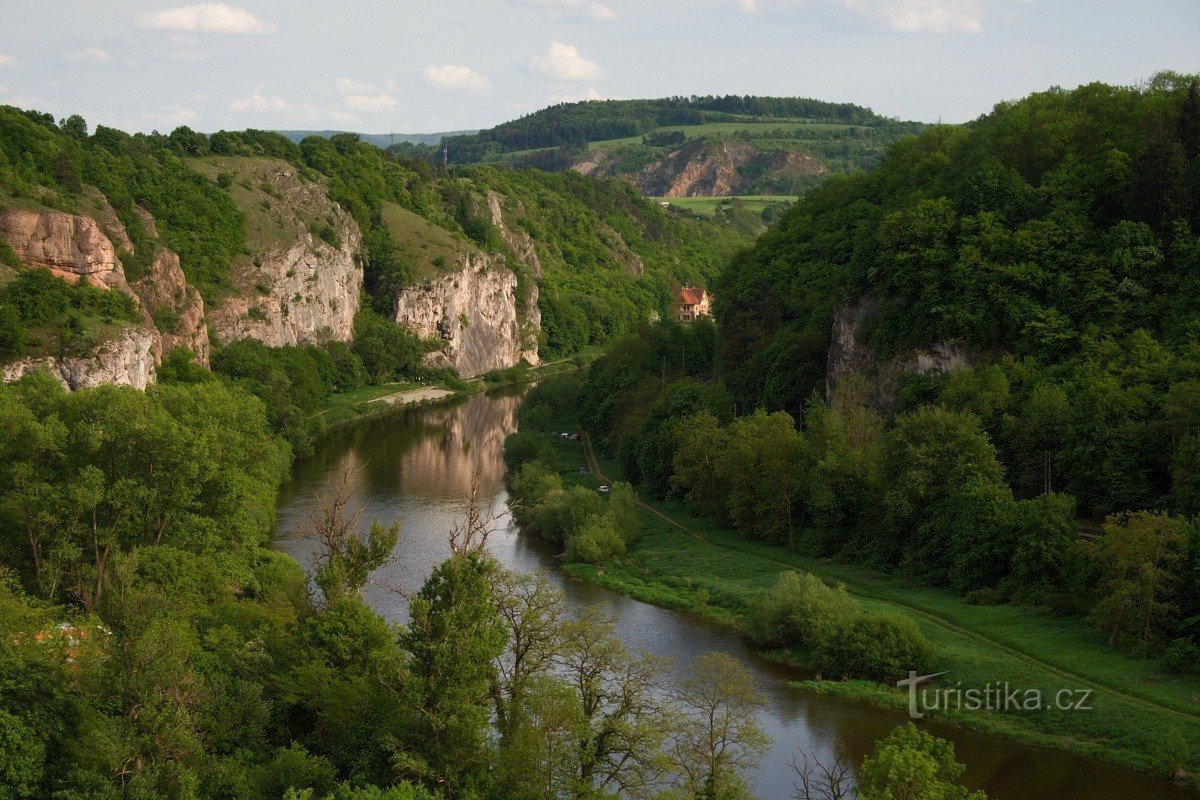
(300, 279)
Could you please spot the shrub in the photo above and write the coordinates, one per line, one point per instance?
(1181, 657)
(597, 541)
(800, 611)
(878, 647)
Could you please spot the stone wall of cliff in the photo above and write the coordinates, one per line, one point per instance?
(849, 354)
(126, 359)
(472, 310)
(297, 287)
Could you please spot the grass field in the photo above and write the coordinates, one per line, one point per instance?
(691, 564)
(429, 249)
(709, 205)
(796, 127)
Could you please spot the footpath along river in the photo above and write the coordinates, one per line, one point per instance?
(416, 465)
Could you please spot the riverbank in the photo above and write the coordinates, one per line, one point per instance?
(367, 402)
(688, 564)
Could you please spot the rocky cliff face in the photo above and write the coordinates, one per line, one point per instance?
(125, 360)
(75, 248)
(472, 310)
(522, 246)
(303, 288)
(850, 355)
(72, 247)
(703, 168)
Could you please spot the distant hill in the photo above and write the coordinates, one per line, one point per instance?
(693, 146)
(381, 139)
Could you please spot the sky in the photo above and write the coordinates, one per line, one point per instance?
(413, 66)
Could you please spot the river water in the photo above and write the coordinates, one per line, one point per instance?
(415, 466)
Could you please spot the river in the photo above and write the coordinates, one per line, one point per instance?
(416, 465)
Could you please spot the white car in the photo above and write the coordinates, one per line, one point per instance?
(604, 488)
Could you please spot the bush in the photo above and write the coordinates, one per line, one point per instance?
(799, 611)
(597, 542)
(1181, 657)
(878, 647)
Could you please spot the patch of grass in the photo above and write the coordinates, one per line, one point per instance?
(427, 248)
(708, 205)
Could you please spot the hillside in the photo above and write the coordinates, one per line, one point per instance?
(697, 146)
(1046, 253)
(248, 235)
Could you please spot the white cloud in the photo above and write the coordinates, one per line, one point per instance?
(923, 16)
(183, 39)
(171, 116)
(342, 116)
(746, 6)
(452, 76)
(90, 55)
(205, 18)
(3, 89)
(376, 102)
(577, 9)
(9, 61)
(562, 62)
(260, 103)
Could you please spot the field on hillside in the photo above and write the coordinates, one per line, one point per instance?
(709, 205)
(755, 128)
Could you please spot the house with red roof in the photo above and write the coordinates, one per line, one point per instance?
(693, 303)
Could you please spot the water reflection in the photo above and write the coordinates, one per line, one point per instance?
(416, 466)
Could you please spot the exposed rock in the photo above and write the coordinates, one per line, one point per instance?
(523, 247)
(70, 246)
(176, 308)
(125, 360)
(703, 168)
(305, 290)
(472, 310)
(850, 355)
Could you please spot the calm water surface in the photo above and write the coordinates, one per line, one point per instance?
(415, 466)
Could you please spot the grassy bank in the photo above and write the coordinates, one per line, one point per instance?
(689, 564)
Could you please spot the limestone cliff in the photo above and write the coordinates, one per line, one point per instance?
(303, 281)
(127, 359)
(850, 355)
(706, 168)
(72, 247)
(472, 310)
(76, 247)
(525, 251)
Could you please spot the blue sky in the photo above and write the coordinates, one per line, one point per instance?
(419, 65)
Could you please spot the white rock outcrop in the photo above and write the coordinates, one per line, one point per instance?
(472, 310)
(125, 360)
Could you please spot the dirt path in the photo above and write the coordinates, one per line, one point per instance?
(414, 396)
(935, 619)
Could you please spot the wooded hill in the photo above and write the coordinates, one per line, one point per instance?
(1052, 245)
(780, 145)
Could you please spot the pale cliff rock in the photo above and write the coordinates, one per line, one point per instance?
(178, 306)
(174, 307)
(472, 310)
(305, 290)
(702, 168)
(125, 360)
(70, 246)
(523, 247)
(850, 355)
